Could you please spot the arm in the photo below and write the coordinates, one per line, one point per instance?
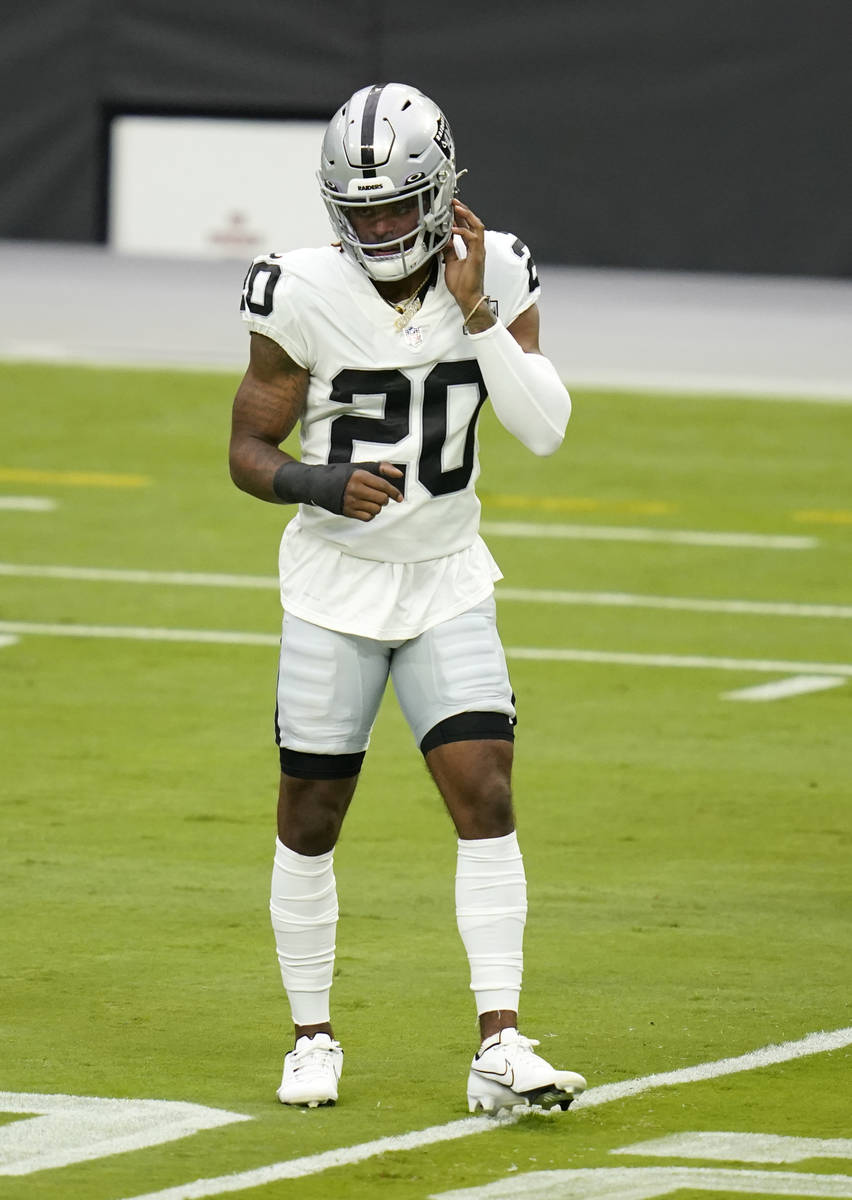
(526, 392)
(269, 401)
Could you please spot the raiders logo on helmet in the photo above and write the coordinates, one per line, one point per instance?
(443, 137)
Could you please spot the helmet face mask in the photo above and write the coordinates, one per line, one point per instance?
(389, 143)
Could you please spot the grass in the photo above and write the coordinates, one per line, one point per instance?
(687, 855)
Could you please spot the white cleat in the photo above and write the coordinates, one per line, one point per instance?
(311, 1072)
(506, 1072)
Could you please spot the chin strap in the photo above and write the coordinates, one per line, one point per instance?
(527, 395)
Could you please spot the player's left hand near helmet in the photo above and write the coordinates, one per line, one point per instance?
(389, 143)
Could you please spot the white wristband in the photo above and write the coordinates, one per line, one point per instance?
(527, 395)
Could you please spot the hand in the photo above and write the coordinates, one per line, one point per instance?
(465, 276)
(367, 492)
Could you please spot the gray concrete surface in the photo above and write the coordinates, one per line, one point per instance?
(68, 303)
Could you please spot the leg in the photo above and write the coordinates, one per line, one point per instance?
(311, 812)
(454, 688)
(329, 688)
(304, 893)
(474, 779)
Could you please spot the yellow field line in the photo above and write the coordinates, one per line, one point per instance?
(71, 478)
(822, 516)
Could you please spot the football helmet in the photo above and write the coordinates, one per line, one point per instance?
(387, 143)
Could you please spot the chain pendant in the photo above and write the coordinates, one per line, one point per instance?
(403, 320)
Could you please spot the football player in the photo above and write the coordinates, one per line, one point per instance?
(383, 348)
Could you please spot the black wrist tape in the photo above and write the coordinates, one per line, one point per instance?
(321, 485)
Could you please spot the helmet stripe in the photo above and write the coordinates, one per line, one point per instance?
(368, 131)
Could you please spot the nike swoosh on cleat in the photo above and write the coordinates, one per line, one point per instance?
(506, 1076)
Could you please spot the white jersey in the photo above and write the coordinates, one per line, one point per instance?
(409, 395)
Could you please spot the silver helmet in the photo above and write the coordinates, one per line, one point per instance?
(389, 142)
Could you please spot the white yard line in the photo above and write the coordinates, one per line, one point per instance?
(199, 1189)
(653, 1183)
(536, 654)
(631, 533)
(697, 662)
(121, 575)
(762, 608)
(739, 1147)
(26, 504)
(813, 1043)
(142, 633)
(781, 689)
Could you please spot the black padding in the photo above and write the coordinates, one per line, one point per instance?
(320, 766)
(469, 727)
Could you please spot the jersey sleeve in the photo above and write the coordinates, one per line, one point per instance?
(269, 305)
(510, 275)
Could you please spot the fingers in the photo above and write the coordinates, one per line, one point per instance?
(466, 223)
(391, 471)
(465, 277)
(367, 494)
(468, 215)
(471, 230)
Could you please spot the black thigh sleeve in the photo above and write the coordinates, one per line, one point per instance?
(320, 766)
(469, 727)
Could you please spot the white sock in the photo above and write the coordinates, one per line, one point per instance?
(303, 907)
(491, 910)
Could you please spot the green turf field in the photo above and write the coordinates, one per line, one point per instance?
(687, 854)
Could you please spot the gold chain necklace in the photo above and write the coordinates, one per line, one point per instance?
(406, 311)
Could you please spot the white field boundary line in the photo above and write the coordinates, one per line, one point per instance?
(531, 653)
(297, 1168)
(634, 533)
(782, 689)
(763, 608)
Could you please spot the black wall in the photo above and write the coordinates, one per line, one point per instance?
(696, 134)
